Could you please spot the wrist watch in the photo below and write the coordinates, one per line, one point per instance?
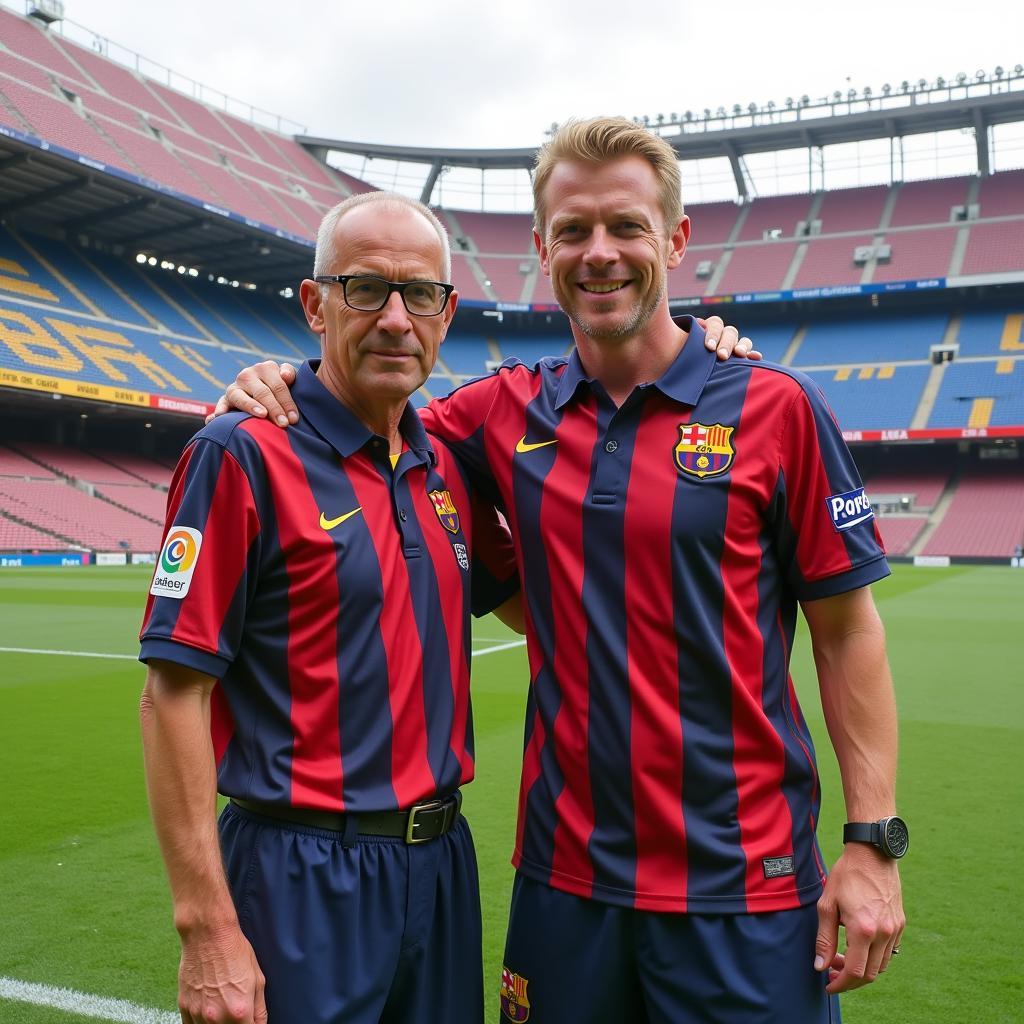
(889, 835)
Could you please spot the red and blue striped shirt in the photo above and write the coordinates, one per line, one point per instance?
(330, 596)
(663, 548)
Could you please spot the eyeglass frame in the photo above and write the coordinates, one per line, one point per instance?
(393, 286)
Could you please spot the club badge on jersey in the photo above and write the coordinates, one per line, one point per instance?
(514, 1003)
(446, 510)
(704, 449)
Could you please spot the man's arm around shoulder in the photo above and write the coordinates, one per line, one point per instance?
(219, 979)
(863, 889)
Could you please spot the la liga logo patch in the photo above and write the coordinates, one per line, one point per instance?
(177, 562)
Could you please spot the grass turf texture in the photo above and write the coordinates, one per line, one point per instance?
(85, 905)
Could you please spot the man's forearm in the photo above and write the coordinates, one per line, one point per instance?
(857, 701)
(182, 785)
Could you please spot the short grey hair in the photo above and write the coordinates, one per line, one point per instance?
(326, 251)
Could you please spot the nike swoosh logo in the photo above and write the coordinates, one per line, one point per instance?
(330, 524)
(522, 447)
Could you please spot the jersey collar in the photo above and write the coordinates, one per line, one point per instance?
(341, 428)
(683, 381)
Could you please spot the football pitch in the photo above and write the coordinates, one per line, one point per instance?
(85, 907)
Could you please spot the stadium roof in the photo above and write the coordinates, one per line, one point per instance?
(801, 125)
(45, 191)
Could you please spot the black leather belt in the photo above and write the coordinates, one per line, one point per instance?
(418, 824)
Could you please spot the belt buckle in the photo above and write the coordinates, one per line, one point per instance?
(430, 805)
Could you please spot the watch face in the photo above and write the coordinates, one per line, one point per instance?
(895, 836)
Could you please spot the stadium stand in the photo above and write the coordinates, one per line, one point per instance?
(927, 202)
(986, 515)
(81, 519)
(917, 254)
(829, 261)
(13, 463)
(136, 466)
(900, 532)
(993, 248)
(871, 339)
(980, 393)
(992, 332)
(852, 209)
(710, 222)
(779, 214)
(873, 397)
(757, 268)
(15, 536)
(922, 486)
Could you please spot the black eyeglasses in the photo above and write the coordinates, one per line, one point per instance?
(368, 294)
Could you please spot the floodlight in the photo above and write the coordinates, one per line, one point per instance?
(141, 258)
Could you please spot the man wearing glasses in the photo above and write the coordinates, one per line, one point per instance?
(308, 646)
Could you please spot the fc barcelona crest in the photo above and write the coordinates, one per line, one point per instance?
(514, 1004)
(703, 449)
(446, 510)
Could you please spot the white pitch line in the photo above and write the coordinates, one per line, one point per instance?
(69, 654)
(131, 657)
(83, 1004)
(500, 647)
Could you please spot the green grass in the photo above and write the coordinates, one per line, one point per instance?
(85, 904)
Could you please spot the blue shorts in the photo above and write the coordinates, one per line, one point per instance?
(574, 961)
(378, 931)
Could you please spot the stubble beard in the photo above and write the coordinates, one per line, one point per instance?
(631, 324)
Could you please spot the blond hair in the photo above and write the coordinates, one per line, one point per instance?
(326, 249)
(599, 140)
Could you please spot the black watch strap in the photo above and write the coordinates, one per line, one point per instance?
(889, 835)
(861, 832)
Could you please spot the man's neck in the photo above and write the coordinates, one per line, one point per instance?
(382, 416)
(622, 364)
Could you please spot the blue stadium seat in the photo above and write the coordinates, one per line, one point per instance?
(875, 339)
(981, 332)
(965, 382)
(887, 403)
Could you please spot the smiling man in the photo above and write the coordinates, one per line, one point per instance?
(670, 514)
(308, 647)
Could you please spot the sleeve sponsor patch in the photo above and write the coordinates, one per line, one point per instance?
(176, 563)
(849, 509)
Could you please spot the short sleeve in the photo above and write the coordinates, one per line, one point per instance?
(825, 527)
(195, 613)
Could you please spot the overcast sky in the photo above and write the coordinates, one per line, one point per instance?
(471, 73)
